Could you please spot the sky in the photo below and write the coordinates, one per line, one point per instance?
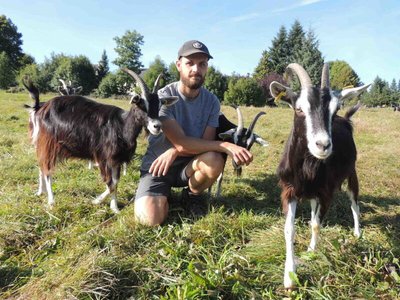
(364, 33)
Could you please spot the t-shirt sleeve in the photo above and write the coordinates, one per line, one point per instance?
(214, 115)
(166, 112)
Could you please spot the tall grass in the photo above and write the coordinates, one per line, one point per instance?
(82, 251)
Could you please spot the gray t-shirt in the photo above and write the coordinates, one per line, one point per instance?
(193, 115)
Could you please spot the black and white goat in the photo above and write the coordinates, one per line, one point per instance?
(77, 127)
(67, 89)
(239, 135)
(319, 155)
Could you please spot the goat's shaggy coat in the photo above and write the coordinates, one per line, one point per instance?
(77, 127)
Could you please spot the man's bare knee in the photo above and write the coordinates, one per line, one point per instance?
(211, 163)
(151, 211)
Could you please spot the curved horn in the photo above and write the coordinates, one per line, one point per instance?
(325, 77)
(253, 124)
(139, 81)
(240, 119)
(157, 82)
(304, 78)
(64, 86)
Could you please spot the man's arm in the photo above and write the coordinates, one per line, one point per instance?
(185, 145)
(190, 145)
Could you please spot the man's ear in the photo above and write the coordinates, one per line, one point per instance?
(282, 92)
(167, 101)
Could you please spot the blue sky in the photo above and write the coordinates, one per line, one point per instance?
(364, 33)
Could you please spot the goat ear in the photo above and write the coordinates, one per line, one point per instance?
(352, 92)
(78, 90)
(259, 140)
(281, 92)
(135, 99)
(167, 101)
(227, 135)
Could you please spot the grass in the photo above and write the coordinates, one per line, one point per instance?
(82, 251)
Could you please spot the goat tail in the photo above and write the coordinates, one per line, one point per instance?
(352, 111)
(33, 92)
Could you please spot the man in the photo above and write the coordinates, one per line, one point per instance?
(186, 154)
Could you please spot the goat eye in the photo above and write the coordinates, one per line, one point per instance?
(298, 110)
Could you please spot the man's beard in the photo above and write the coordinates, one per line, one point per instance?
(193, 85)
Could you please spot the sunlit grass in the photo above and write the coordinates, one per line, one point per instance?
(82, 251)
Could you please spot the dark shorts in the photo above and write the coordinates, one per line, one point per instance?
(150, 185)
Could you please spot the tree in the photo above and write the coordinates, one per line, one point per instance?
(295, 40)
(342, 75)
(263, 67)
(279, 53)
(156, 68)
(310, 57)
(128, 50)
(378, 95)
(216, 82)
(102, 68)
(79, 70)
(173, 72)
(108, 86)
(7, 74)
(10, 41)
(244, 91)
(32, 71)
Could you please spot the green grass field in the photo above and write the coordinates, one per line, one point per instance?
(82, 251)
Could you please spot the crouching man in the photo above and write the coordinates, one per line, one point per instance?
(187, 153)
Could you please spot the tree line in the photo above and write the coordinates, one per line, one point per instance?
(293, 45)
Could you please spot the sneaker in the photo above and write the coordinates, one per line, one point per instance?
(195, 205)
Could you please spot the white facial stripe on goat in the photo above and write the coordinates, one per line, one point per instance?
(154, 126)
(316, 132)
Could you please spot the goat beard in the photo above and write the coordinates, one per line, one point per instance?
(193, 85)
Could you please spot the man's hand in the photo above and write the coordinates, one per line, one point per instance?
(240, 155)
(161, 165)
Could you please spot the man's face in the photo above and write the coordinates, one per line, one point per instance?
(192, 70)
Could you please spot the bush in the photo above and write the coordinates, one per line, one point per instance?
(244, 91)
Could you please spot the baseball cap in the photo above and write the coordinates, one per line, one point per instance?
(191, 47)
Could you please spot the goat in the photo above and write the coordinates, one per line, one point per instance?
(132, 95)
(68, 89)
(77, 127)
(319, 155)
(227, 131)
(396, 106)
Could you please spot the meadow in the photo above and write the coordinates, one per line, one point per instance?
(237, 251)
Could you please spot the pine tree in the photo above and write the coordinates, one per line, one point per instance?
(263, 67)
(279, 52)
(295, 40)
(310, 57)
(102, 67)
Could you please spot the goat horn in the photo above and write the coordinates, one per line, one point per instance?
(64, 86)
(240, 126)
(157, 82)
(139, 81)
(253, 124)
(304, 78)
(325, 77)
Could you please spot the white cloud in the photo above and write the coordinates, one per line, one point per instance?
(245, 17)
(296, 5)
